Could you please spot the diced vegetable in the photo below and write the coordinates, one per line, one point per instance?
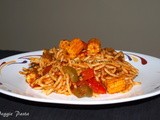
(76, 46)
(87, 74)
(64, 44)
(94, 46)
(89, 79)
(71, 72)
(82, 91)
(96, 86)
(115, 85)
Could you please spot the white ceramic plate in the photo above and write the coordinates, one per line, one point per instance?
(12, 83)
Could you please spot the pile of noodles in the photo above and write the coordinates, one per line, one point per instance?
(45, 73)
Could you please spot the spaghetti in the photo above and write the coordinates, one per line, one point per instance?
(82, 69)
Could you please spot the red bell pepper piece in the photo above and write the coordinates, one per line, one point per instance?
(96, 86)
(87, 74)
(89, 79)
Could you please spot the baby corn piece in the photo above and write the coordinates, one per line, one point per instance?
(115, 85)
(64, 44)
(76, 46)
(94, 46)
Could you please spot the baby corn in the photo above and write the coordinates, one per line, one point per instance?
(115, 85)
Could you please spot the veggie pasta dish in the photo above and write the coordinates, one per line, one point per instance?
(79, 68)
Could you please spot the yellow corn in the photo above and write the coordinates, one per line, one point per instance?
(93, 46)
(76, 46)
(64, 44)
(115, 85)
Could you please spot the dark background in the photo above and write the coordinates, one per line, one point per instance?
(131, 25)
